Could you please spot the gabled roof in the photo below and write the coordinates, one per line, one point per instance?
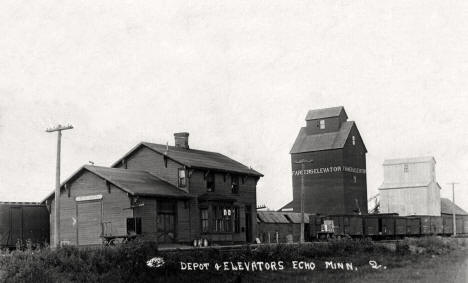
(281, 217)
(446, 207)
(288, 206)
(134, 182)
(325, 113)
(322, 141)
(409, 160)
(197, 159)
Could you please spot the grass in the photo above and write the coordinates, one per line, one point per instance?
(414, 260)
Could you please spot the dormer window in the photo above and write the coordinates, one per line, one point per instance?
(322, 124)
(354, 140)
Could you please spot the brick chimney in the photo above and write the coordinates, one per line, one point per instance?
(181, 140)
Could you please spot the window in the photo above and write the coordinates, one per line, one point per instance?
(134, 226)
(210, 182)
(322, 124)
(405, 168)
(235, 184)
(204, 220)
(182, 178)
(165, 161)
(354, 140)
(222, 218)
(236, 217)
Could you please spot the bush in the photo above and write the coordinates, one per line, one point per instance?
(128, 262)
(124, 263)
(432, 245)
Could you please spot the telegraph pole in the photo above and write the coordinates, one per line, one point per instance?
(302, 162)
(59, 130)
(453, 209)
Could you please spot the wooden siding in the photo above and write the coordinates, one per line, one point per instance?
(332, 124)
(414, 192)
(268, 232)
(355, 156)
(89, 222)
(153, 162)
(420, 172)
(335, 192)
(148, 213)
(188, 219)
(115, 206)
(246, 196)
(323, 193)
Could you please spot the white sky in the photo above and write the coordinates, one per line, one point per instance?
(239, 77)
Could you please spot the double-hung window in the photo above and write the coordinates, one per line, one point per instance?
(182, 178)
(210, 182)
(235, 184)
(204, 220)
(322, 124)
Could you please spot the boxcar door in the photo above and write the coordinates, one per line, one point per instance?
(16, 226)
(166, 221)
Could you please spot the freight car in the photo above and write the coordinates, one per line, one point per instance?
(384, 226)
(23, 221)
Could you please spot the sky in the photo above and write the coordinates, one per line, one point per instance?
(239, 76)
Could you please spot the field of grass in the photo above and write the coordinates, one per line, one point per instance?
(450, 267)
(413, 260)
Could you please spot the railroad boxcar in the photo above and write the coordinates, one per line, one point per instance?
(413, 226)
(23, 221)
(459, 223)
(437, 227)
(400, 226)
(430, 225)
(347, 225)
(387, 223)
(425, 225)
(380, 225)
(447, 223)
(465, 224)
(371, 226)
(353, 226)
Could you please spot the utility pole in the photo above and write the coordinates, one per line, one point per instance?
(453, 209)
(302, 162)
(59, 130)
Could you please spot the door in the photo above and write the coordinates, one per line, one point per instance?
(89, 222)
(248, 224)
(166, 219)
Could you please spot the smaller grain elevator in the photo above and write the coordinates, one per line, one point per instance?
(335, 173)
(410, 187)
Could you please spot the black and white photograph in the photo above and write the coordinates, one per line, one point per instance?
(234, 141)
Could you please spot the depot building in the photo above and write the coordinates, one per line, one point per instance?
(168, 194)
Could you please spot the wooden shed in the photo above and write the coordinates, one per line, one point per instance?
(279, 226)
